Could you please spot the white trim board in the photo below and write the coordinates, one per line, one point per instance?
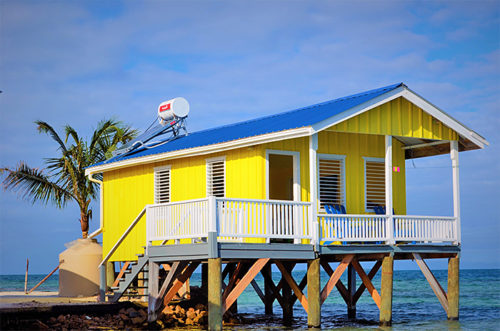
(296, 171)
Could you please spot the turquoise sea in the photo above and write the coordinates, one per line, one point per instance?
(415, 306)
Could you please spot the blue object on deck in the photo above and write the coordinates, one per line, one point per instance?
(299, 118)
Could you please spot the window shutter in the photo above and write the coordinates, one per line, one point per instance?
(162, 185)
(216, 178)
(375, 184)
(331, 182)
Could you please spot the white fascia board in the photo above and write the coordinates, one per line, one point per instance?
(414, 98)
(444, 118)
(359, 109)
(203, 150)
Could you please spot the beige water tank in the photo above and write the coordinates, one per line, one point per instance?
(78, 270)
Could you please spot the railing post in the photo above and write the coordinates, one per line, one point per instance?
(313, 189)
(388, 191)
(212, 228)
(456, 189)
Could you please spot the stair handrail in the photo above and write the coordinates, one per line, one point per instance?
(124, 235)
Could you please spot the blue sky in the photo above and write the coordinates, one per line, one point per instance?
(79, 62)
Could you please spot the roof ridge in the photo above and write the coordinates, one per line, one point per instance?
(357, 95)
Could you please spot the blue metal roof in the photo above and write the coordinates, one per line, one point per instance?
(298, 118)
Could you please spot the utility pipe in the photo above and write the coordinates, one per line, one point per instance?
(98, 231)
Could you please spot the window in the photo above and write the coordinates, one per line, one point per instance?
(331, 180)
(374, 183)
(216, 183)
(162, 184)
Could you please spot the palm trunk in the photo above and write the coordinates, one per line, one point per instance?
(84, 222)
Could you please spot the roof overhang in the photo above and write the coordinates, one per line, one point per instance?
(468, 138)
(203, 150)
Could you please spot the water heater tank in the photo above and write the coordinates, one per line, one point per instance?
(177, 107)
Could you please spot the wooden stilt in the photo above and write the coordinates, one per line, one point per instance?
(274, 290)
(334, 278)
(153, 293)
(367, 281)
(258, 291)
(268, 292)
(386, 291)
(26, 277)
(214, 294)
(286, 292)
(204, 277)
(351, 290)
(110, 274)
(436, 287)
(313, 293)
(453, 287)
(302, 285)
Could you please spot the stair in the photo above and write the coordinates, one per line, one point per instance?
(129, 276)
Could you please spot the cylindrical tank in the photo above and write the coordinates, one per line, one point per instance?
(78, 270)
(177, 107)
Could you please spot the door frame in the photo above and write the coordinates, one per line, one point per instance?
(296, 171)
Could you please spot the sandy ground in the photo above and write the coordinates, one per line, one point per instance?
(38, 298)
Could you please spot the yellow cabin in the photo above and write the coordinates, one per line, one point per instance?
(330, 174)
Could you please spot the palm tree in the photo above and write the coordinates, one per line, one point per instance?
(64, 178)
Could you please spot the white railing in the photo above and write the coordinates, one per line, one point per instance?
(269, 219)
(177, 220)
(345, 228)
(338, 229)
(234, 220)
(425, 228)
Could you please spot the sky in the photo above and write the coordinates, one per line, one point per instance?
(78, 62)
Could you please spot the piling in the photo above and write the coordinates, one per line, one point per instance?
(453, 287)
(214, 294)
(386, 291)
(268, 292)
(287, 299)
(153, 289)
(314, 293)
(351, 288)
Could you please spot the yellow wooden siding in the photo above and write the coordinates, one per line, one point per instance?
(398, 117)
(127, 191)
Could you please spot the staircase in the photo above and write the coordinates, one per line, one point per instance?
(125, 287)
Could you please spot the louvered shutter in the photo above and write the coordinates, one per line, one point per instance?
(331, 182)
(162, 185)
(374, 184)
(216, 178)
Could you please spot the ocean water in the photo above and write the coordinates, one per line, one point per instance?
(414, 304)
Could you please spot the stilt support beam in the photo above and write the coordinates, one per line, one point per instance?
(334, 278)
(293, 285)
(386, 291)
(453, 287)
(313, 294)
(181, 279)
(367, 282)
(214, 294)
(231, 297)
(436, 287)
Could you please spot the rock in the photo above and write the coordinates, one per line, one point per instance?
(200, 307)
(178, 309)
(189, 321)
(143, 313)
(40, 325)
(168, 310)
(138, 320)
(191, 314)
(131, 312)
(52, 320)
(122, 311)
(60, 318)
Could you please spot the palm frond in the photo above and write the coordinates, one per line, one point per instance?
(46, 128)
(34, 185)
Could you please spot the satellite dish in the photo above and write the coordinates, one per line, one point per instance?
(171, 109)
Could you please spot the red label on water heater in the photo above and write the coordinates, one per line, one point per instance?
(165, 107)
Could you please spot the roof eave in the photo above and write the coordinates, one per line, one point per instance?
(203, 150)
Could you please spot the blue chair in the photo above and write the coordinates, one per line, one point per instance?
(335, 210)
